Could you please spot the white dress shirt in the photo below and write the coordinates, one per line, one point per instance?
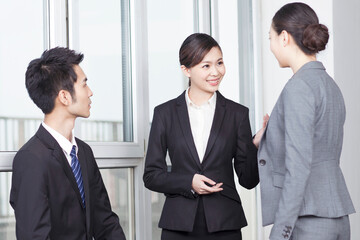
(201, 119)
(64, 143)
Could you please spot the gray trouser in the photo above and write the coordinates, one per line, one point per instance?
(317, 228)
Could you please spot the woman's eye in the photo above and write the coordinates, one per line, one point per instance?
(206, 66)
(220, 63)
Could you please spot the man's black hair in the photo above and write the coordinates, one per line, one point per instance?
(52, 72)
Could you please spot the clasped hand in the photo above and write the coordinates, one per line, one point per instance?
(204, 185)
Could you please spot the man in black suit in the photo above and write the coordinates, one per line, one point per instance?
(57, 191)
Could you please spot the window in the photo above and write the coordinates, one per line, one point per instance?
(18, 118)
(7, 218)
(119, 183)
(106, 32)
(131, 60)
(19, 20)
(101, 31)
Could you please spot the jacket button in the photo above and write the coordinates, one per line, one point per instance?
(262, 162)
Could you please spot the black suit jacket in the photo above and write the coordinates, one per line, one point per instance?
(47, 201)
(230, 139)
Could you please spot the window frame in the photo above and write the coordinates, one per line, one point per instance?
(132, 154)
(113, 154)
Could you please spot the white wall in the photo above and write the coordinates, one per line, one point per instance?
(347, 72)
(341, 61)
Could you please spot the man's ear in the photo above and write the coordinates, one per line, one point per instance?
(64, 97)
(186, 71)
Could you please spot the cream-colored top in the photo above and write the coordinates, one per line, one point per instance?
(201, 118)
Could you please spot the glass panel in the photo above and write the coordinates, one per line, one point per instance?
(227, 37)
(7, 218)
(119, 185)
(157, 203)
(169, 23)
(22, 39)
(101, 31)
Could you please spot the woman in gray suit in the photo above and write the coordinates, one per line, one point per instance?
(303, 190)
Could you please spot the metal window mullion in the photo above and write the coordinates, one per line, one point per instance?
(246, 57)
(6, 159)
(139, 53)
(126, 73)
(57, 23)
(258, 96)
(131, 200)
(214, 19)
(46, 24)
(196, 15)
(204, 16)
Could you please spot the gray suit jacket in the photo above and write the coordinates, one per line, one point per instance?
(300, 150)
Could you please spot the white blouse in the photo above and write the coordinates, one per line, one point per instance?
(201, 118)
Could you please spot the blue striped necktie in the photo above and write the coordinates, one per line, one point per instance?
(75, 166)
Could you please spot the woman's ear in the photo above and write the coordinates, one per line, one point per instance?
(186, 71)
(285, 38)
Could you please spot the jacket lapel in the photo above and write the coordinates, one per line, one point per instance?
(263, 137)
(59, 156)
(216, 125)
(84, 172)
(183, 116)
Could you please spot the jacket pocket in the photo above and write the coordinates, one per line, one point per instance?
(230, 192)
(278, 180)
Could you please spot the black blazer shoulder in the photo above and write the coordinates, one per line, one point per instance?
(221, 100)
(43, 182)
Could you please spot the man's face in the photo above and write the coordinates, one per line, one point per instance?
(80, 106)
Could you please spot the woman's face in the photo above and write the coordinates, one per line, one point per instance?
(207, 75)
(277, 46)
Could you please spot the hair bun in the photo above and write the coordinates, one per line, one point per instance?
(315, 37)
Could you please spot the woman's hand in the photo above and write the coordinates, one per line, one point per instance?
(204, 185)
(259, 134)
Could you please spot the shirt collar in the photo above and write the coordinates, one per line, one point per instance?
(211, 102)
(64, 143)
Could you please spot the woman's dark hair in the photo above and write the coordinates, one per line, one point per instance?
(52, 72)
(194, 49)
(302, 23)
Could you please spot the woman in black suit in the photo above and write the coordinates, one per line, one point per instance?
(203, 132)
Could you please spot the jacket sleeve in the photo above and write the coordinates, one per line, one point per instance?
(29, 197)
(299, 117)
(245, 161)
(156, 176)
(105, 222)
